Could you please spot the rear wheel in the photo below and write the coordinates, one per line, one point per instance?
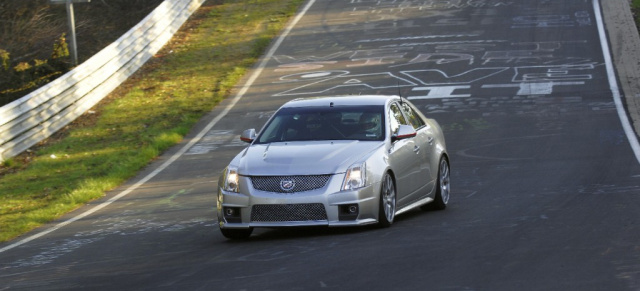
(387, 209)
(236, 233)
(442, 192)
(443, 188)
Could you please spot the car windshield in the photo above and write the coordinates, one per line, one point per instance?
(325, 123)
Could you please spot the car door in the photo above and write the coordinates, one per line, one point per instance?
(423, 147)
(403, 158)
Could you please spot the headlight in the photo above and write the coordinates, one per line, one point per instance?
(355, 177)
(231, 180)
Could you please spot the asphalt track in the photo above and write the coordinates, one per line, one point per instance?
(545, 179)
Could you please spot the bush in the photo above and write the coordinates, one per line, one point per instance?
(60, 48)
(4, 60)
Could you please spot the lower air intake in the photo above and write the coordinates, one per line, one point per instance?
(288, 212)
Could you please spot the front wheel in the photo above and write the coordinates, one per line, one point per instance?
(443, 188)
(236, 233)
(387, 208)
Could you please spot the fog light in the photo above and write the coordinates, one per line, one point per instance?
(348, 212)
(232, 214)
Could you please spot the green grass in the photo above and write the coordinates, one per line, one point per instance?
(144, 118)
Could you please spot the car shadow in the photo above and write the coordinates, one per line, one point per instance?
(306, 232)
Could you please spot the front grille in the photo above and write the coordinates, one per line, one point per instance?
(288, 212)
(289, 184)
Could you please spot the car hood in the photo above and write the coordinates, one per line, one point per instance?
(302, 158)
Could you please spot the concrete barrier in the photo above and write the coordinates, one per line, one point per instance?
(36, 116)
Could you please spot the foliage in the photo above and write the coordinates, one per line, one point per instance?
(60, 48)
(29, 27)
(27, 30)
(4, 60)
(27, 76)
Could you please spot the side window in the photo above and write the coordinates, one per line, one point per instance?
(396, 118)
(414, 118)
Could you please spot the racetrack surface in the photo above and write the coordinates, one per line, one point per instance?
(545, 181)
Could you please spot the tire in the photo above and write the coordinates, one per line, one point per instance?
(387, 207)
(236, 233)
(443, 188)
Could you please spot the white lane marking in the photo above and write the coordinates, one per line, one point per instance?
(184, 149)
(613, 83)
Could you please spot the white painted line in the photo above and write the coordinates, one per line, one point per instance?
(184, 149)
(534, 88)
(427, 97)
(613, 83)
(440, 92)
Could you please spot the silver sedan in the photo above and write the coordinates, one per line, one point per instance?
(335, 161)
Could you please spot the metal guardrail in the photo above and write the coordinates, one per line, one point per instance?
(34, 117)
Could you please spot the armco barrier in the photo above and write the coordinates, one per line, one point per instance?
(36, 116)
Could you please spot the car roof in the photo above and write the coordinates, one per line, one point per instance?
(346, 100)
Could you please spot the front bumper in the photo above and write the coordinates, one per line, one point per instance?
(254, 208)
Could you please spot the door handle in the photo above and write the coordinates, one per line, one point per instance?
(416, 149)
(430, 140)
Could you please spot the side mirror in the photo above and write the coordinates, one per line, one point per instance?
(404, 132)
(248, 135)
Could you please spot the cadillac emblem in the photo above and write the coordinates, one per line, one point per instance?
(287, 185)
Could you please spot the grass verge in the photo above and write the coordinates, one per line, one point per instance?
(151, 112)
